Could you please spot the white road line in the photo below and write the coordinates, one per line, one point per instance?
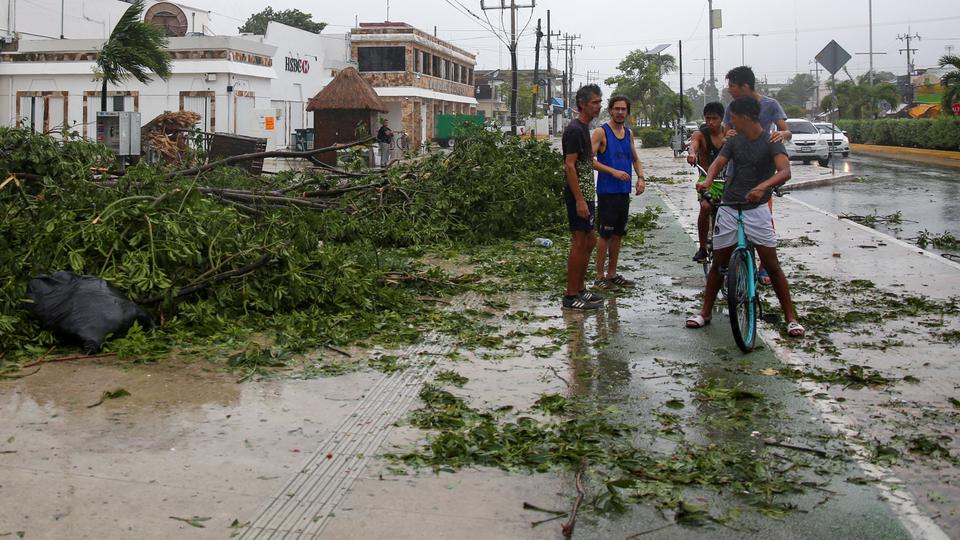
(892, 488)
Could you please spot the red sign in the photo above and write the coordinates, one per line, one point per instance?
(956, 109)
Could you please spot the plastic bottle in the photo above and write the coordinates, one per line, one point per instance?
(543, 242)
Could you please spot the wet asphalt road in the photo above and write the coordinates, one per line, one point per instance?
(928, 196)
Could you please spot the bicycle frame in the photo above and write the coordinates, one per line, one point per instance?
(752, 283)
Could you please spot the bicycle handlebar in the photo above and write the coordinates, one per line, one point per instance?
(706, 195)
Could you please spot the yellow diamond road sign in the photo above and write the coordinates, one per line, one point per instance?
(833, 57)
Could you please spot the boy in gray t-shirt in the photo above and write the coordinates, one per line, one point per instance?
(761, 166)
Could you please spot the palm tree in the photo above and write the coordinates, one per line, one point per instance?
(641, 78)
(951, 83)
(135, 48)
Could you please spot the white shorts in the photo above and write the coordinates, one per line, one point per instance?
(757, 224)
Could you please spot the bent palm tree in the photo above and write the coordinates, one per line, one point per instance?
(951, 83)
(135, 48)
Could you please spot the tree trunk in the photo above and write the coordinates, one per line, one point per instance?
(103, 95)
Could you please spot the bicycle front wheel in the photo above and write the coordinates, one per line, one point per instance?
(741, 304)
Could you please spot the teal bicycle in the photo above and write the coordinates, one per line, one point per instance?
(742, 284)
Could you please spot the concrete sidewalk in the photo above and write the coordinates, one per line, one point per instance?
(821, 244)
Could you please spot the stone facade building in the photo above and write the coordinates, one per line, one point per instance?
(416, 75)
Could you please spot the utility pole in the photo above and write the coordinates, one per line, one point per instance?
(743, 60)
(536, 71)
(513, 7)
(568, 48)
(871, 54)
(550, 70)
(816, 69)
(704, 78)
(870, 22)
(593, 76)
(907, 37)
(710, 25)
(680, 45)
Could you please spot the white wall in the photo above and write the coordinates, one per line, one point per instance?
(291, 90)
(154, 99)
(82, 19)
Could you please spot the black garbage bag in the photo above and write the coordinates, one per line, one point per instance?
(83, 308)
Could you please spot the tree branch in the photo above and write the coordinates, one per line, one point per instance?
(262, 155)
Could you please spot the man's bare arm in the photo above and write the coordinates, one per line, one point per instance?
(696, 141)
(783, 132)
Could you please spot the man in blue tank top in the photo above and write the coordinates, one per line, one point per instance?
(616, 154)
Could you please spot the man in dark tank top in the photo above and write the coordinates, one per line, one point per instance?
(705, 145)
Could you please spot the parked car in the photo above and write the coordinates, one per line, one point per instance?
(807, 143)
(839, 144)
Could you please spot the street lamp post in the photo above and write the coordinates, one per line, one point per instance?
(743, 60)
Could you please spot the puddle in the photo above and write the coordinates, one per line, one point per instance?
(927, 196)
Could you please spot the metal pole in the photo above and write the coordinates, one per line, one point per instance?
(61, 19)
(681, 79)
(513, 67)
(536, 72)
(743, 58)
(870, 15)
(833, 123)
(710, 24)
(549, 110)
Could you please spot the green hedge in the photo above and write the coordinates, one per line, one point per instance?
(653, 137)
(939, 134)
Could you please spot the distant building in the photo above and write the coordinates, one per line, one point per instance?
(416, 75)
(248, 84)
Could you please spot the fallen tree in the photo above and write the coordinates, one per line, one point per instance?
(216, 255)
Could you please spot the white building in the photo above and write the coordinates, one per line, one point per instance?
(250, 85)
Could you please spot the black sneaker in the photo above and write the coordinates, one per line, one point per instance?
(700, 256)
(590, 296)
(621, 281)
(605, 285)
(579, 303)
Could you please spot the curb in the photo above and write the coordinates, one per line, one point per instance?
(938, 157)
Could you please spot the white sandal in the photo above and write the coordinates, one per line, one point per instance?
(697, 321)
(795, 329)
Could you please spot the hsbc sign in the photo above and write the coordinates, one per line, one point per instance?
(297, 65)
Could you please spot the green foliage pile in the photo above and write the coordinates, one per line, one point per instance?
(653, 137)
(317, 276)
(936, 134)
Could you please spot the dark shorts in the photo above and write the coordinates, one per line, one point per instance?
(613, 209)
(578, 223)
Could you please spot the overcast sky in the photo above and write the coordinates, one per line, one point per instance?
(791, 31)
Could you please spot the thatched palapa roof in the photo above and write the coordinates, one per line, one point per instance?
(347, 91)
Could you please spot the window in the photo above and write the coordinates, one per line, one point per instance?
(45, 112)
(427, 64)
(202, 103)
(382, 58)
(416, 61)
(448, 70)
(436, 67)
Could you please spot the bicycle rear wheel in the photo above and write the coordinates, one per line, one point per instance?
(741, 304)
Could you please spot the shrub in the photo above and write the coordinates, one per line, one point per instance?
(937, 134)
(653, 137)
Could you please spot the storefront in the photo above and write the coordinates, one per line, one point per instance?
(250, 85)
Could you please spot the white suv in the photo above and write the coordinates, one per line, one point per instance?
(807, 143)
(839, 144)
